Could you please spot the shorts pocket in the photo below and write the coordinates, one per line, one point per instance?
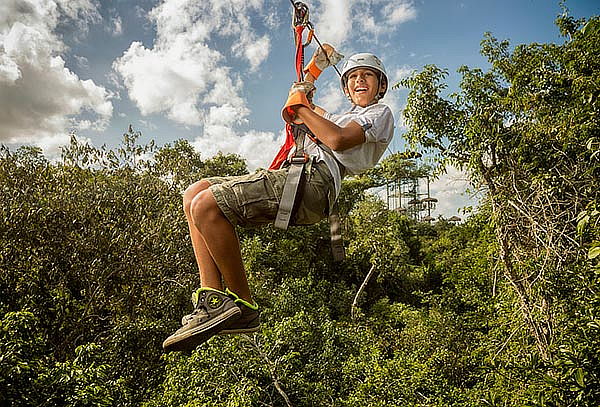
(257, 202)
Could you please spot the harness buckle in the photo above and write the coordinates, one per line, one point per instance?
(300, 159)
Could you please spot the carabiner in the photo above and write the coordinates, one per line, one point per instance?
(300, 15)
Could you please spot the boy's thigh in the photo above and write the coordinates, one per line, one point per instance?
(253, 199)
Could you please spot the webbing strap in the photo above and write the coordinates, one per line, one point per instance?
(288, 197)
(299, 53)
(290, 192)
(289, 143)
(293, 135)
(335, 230)
(292, 181)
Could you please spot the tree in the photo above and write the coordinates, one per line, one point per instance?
(526, 131)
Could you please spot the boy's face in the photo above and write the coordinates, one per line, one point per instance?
(363, 86)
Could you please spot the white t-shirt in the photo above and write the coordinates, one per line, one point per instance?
(378, 122)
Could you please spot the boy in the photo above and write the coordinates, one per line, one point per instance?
(355, 141)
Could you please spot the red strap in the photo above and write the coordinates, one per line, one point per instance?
(289, 144)
(285, 149)
(299, 53)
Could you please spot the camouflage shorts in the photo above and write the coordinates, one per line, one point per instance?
(253, 199)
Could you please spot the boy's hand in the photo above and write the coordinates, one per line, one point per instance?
(308, 88)
(301, 93)
(321, 60)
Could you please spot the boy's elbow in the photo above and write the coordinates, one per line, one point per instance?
(344, 140)
(346, 143)
(338, 146)
(341, 142)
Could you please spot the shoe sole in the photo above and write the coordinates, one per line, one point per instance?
(189, 340)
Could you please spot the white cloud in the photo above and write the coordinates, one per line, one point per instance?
(271, 19)
(333, 21)
(401, 73)
(185, 76)
(148, 125)
(339, 22)
(116, 26)
(169, 80)
(225, 115)
(82, 62)
(331, 98)
(40, 98)
(402, 13)
(255, 51)
(9, 70)
(79, 11)
(257, 147)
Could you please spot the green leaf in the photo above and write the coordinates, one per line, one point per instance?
(594, 252)
(580, 377)
(582, 224)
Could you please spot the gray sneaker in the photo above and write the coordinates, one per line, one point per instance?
(248, 322)
(213, 310)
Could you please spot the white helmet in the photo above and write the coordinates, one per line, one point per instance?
(365, 60)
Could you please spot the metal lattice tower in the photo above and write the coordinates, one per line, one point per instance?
(403, 189)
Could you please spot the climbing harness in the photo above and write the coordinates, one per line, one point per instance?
(295, 136)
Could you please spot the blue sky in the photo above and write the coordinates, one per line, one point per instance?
(216, 72)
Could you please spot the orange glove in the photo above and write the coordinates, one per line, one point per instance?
(301, 93)
(321, 60)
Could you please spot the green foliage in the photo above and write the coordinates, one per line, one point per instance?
(96, 266)
(97, 269)
(526, 131)
(180, 165)
(95, 248)
(22, 348)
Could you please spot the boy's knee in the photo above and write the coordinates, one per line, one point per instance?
(191, 192)
(203, 207)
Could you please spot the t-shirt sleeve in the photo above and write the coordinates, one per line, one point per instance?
(378, 124)
(329, 116)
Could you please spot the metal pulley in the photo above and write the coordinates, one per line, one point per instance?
(300, 15)
(300, 21)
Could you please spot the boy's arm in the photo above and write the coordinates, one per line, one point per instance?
(333, 136)
(299, 109)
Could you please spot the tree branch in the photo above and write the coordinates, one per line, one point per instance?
(360, 290)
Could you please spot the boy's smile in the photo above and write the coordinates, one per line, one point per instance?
(363, 86)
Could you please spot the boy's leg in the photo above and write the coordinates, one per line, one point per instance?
(213, 310)
(214, 238)
(221, 242)
(209, 273)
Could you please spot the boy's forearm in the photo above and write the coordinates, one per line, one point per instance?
(335, 137)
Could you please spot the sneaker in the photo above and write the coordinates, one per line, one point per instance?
(248, 322)
(213, 311)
